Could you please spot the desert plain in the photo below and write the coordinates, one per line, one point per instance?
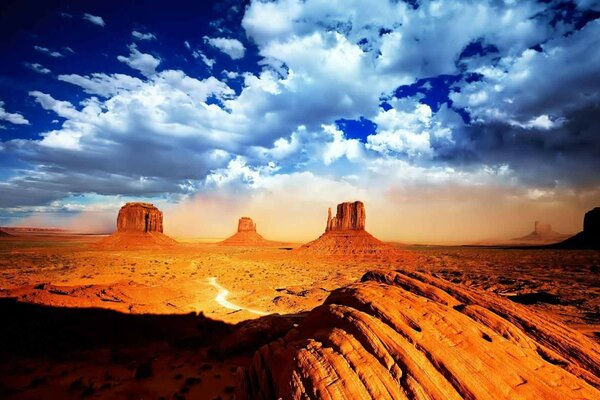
(82, 321)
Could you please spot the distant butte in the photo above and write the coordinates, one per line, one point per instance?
(345, 234)
(589, 238)
(246, 235)
(139, 225)
(542, 233)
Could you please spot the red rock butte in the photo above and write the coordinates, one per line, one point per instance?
(139, 226)
(246, 235)
(139, 217)
(345, 234)
(589, 238)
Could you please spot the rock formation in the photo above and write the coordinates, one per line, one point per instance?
(246, 235)
(345, 234)
(4, 234)
(542, 233)
(409, 335)
(139, 226)
(139, 217)
(589, 238)
(349, 216)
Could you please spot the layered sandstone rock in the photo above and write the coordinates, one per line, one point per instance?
(400, 335)
(245, 224)
(139, 217)
(345, 234)
(589, 238)
(246, 235)
(349, 216)
(139, 226)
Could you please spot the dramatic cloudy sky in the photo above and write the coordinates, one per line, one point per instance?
(452, 120)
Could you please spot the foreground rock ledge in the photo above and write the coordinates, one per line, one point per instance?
(402, 335)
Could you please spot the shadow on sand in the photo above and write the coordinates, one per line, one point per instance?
(36, 330)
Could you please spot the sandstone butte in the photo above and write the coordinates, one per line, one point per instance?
(246, 235)
(139, 226)
(542, 232)
(589, 238)
(345, 234)
(409, 335)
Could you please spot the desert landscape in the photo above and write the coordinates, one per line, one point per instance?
(138, 314)
(299, 200)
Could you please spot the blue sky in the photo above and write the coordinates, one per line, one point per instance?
(248, 102)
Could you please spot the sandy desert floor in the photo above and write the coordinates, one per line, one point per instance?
(124, 324)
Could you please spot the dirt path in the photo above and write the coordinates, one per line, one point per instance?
(221, 298)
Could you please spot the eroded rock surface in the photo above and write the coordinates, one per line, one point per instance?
(139, 226)
(399, 335)
(345, 234)
(246, 235)
(349, 216)
(589, 238)
(245, 224)
(139, 217)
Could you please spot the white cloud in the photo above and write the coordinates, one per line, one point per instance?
(13, 118)
(145, 63)
(200, 55)
(512, 91)
(94, 19)
(143, 36)
(47, 51)
(39, 68)
(103, 84)
(407, 129)
(232, 47)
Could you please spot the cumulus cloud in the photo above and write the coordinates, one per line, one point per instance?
(514, 122)
(143, 62)
(94, 19)
(13, 118)
(232, 47)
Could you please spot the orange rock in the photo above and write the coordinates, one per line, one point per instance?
(399, 335)
(139, 226)
(345, 234)
(139, 217)
(246, 235)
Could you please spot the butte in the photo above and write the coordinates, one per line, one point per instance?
(589, 238)
(345, 234)
(246, 235)
(139, 226)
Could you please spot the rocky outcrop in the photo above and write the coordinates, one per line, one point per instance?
(589, 238)
(542, 233)
(245, 224)
(401, 335)
(139, 217)
(345, 234)
(349, 216)
(4, 234)
(139, 226)
(246, 235)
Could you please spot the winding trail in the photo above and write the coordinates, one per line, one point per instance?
(221, 298)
